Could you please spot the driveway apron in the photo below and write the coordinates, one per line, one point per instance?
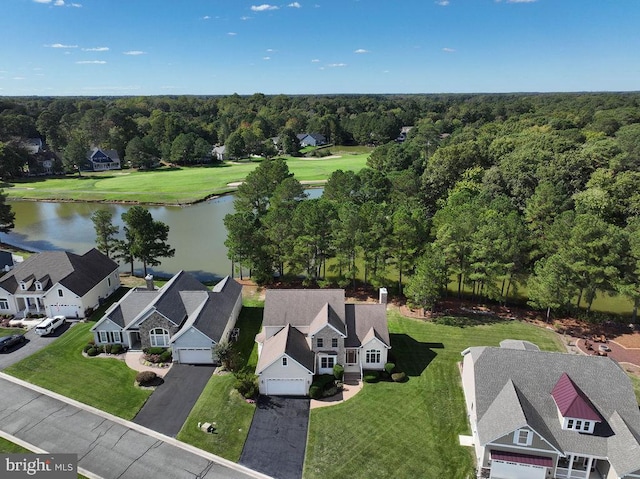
(278, 436)
(167, 408)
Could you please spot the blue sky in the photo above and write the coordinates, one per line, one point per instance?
(150, 47)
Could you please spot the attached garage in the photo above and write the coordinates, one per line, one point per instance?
(194, 355)
(286, 387)
(509, 465)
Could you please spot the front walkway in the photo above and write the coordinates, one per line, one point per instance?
(133, 360)
(351, 386)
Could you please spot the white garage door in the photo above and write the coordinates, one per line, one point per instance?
(510, 470)
(195, 356)
(286, 387)
(65, 310)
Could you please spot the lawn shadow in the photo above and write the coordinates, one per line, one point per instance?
(467, 321)
(412, 356)
(249, 323)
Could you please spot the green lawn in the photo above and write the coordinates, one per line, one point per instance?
(10, 331)
(411, 429)
(221, 403)
(104, 383)
(181, 185)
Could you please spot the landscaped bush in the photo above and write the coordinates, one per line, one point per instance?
(371, 376)
(107, 348)
(389, 368)
(144, 378)
(315, 392)
(154, 350)
(87, 347)
(117, 348)
(92, 341)
(165, 357)
(247, 385)
(338, 372)
(92, 352)
(399, 377)
(324, 381)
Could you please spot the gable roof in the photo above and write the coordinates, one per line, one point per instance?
(169, 302)
(571, 401)
(103, 156)
(289, 341)
(77, 273)
(299, 307)
(507, 403)
(534, 375)
(327, 317)
(365, 321)
(129, 307)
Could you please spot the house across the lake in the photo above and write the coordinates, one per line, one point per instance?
(307, 332)
(58, 283)
(102, 160)
(183, 314)
(539, 415)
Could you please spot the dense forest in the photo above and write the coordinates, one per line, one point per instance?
(496, 191)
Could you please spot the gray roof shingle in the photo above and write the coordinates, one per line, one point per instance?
(361, 318)
(299, 307)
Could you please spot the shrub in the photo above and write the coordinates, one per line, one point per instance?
(144, 378)
(155, 350)
(399, 377)
(92, 341)
(92, 352)
(324, 381)
(87, 347)
(165, 357)
(371, 376)
(389, 368)
(338, 371)
(226, 354)
(117, 348)
(247, 385)
(315, 392)
(107, 348)
(152, 358)
(330, 391)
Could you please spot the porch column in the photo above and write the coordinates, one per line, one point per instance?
(589, 462)
(570, 470)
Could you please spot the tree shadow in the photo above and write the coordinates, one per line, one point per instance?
(467, 321)
(412, 356)
(249, 323)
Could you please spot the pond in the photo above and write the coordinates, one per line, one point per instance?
(196, 232)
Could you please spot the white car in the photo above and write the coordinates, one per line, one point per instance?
(49, 325)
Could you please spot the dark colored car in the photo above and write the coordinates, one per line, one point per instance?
(7, 341)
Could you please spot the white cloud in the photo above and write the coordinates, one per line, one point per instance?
(245, 18)
(60, 45)
(266, 58)
(442, 3)
(134, 52)
(96, 49)
(315, 60)
(42, 1)
(294, 5)
(91, 62)
(337, 65)
(59, 3)
(361, 50)
(232, 34)
(76, 5)
(18, 78)
(270, 50)
(206, 17)
(264, 7)
(448, 50)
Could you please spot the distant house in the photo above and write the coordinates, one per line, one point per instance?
(307, 332)
(404, 131)
(6, 261)
(102, 160)
(33, 145)
(58, 283)
(311, 139)
(219, 153)
(183, 315)
(539, 415)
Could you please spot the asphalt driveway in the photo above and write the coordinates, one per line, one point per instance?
(32, 343)
(278, 437)
(167, 408)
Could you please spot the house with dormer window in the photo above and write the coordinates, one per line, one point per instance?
(307, 332)
(537, 415)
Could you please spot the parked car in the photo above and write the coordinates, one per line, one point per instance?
(49, 325)
(8, 341)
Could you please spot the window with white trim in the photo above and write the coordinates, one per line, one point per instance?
(23, 286)
(523, 437)
(372, 356)
(319, 342)
(60, 293)
(284, 361)
(334, 342)
(159, 337)
(4, 304)
(38, 286)
(352, 356)
(327, 362)
(110, 336)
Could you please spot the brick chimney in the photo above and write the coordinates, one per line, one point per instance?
(149, 279)
(383, 296)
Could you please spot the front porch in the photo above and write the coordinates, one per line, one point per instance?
(29, 305)
(581, 467)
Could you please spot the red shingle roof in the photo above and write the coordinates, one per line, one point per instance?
(571, 401)
(521, 458)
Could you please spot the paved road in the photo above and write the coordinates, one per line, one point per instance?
(106, 446)
(278, 437)
(32, 344)
(167, 408)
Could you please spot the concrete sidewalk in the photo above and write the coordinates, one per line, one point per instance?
(107, 446)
